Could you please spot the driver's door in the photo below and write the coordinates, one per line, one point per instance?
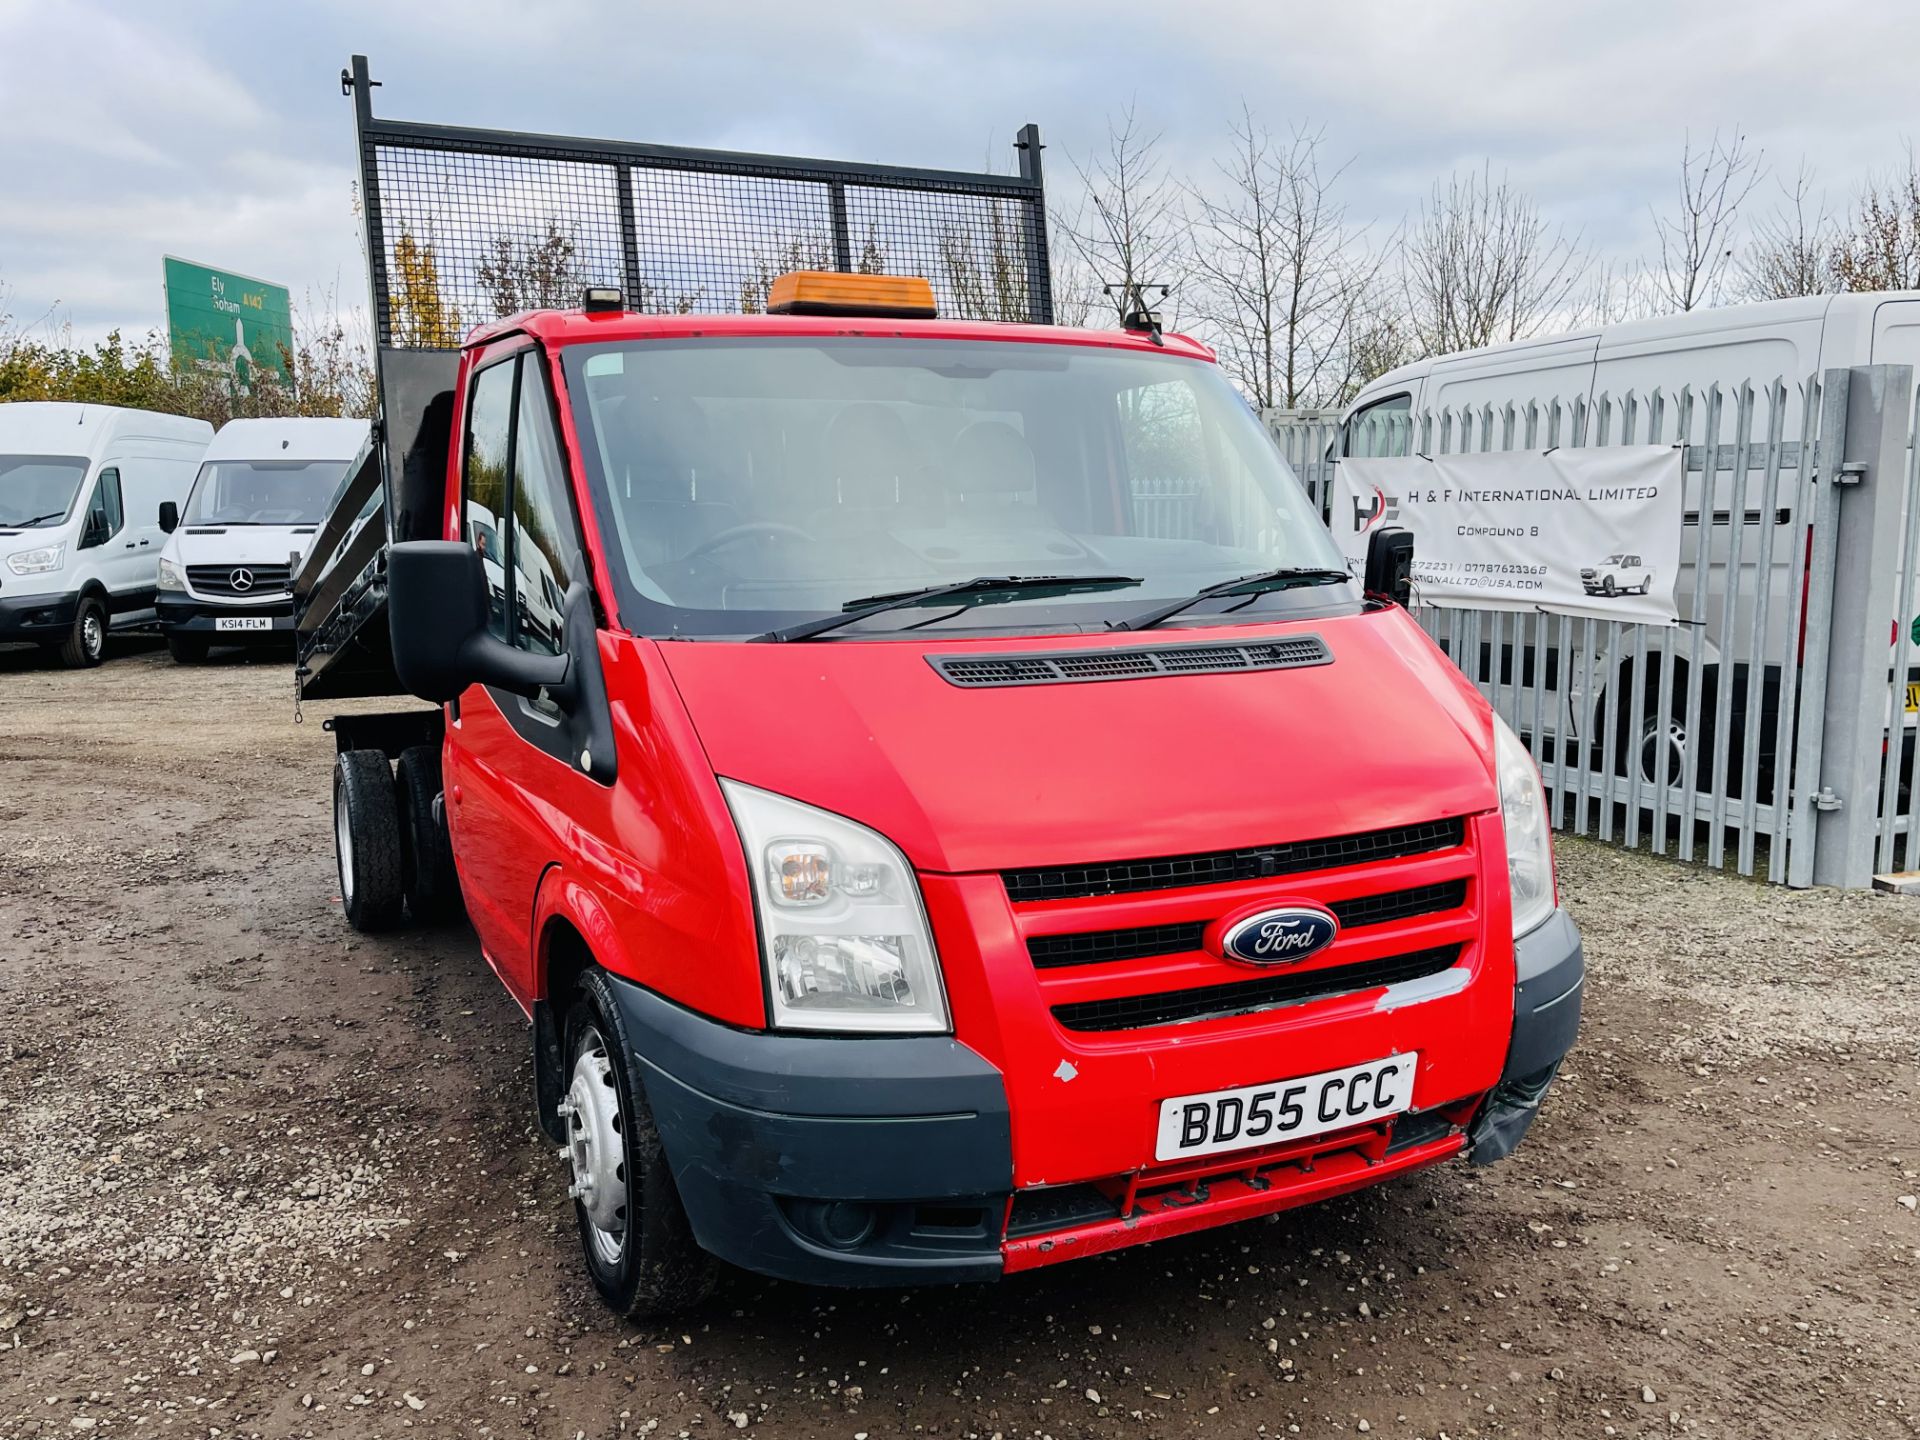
(509, 767)
(107, 547)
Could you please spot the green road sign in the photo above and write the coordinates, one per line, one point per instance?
(220, 321)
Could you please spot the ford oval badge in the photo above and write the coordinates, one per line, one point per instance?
(1279, 937)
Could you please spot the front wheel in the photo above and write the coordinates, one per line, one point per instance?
(1609, 587)
(187, 649)
(639, 1248)
(86, 644)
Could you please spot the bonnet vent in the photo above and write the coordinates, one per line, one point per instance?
(1068, 667)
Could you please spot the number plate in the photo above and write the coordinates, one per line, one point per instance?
(243, 622)
(1913, 697)
(1224, 1120)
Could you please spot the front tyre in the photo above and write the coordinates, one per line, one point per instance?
(86, 644)
(187, 649)
(639, 1248)
(366, 841)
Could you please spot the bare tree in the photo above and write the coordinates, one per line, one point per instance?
(1128, 232)
(1880, 246)
(1615, 290)
(532, 273)
(1075, 290)
(1482, 265)
(1380, 340)
(1696, 238)
(1277, 274)
(1792, 250)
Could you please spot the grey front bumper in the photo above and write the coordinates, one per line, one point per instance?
(1549, 973)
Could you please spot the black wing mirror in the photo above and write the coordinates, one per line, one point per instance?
(1390, 565)
(437, 608)
(169, 516)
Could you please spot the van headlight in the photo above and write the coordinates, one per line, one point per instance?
(170, 578)
(1523, 815)
(845, 936)
(37, 562)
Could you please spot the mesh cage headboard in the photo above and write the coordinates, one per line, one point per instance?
(464, 226)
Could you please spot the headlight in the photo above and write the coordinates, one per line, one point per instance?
(847, 945)
(1523, 815)
(169, 576)
(37, 562)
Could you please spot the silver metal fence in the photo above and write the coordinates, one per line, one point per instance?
(1751, 734)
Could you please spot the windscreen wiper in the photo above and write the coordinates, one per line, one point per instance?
(987, 588)
(1289, 577)
(31, 521)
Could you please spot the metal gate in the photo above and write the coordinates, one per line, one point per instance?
(1768, 730)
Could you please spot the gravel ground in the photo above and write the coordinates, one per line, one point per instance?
(260, 1177)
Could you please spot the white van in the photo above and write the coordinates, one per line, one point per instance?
(81, 487)
(1786, 339)
(262, 490)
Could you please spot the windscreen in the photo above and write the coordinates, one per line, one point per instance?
(37, 491)
(746, 482)
(263, 492)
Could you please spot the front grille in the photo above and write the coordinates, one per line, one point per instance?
(1224, 866)
(1399, 904)
(1097, 947)
(226, 580)
(1066, 667)
(1215, 1002)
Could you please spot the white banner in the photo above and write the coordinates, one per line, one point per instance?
(1573, 532)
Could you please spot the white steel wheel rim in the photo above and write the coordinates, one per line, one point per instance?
(343, 843)
(596, 1148)
(92, 636)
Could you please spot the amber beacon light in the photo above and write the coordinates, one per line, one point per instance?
(825, 292)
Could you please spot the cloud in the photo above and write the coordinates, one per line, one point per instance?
(216, 129)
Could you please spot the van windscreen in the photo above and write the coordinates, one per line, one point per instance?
(748, 483)
(263, 492)
(37, 491)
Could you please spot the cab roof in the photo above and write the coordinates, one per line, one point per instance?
(288, 438)
(580, 327)
(71, 427)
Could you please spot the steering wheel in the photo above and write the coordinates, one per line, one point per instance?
(735, 533)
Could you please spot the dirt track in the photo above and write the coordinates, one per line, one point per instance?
(261, 1177)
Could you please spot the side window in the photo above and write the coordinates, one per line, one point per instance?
(103, 511)
(489, 431)
(545, 540)
(1382, 428)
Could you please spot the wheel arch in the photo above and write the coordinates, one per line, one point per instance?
(572, 933)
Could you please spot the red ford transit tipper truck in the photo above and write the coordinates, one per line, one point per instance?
(930, 781)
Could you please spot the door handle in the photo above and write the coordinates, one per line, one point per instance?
(131, 544)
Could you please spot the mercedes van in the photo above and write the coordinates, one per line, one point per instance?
(263, 486)
(81, 491)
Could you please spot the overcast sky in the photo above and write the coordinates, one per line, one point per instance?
(217, 131)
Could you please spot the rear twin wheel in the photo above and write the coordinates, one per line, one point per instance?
(366, 841)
